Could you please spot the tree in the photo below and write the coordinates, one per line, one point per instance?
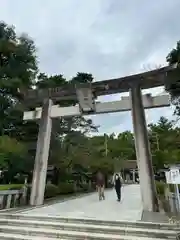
(164, 139)
(174, 87)
(100, 157)
(18, 61)
(110, 152)
(12, 156)
(80, 153)
(18, 70)
(82, 78)
(174, 56)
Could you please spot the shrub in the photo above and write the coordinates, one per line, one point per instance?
(65, 188)
(84, 187)
(172, 187)
(94, 185)
(160, 187)
(51, 191)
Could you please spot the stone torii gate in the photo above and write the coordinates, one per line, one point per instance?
(86, 94)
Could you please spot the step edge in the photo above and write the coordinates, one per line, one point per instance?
(56, 218)
(54, 231)
(90, 226)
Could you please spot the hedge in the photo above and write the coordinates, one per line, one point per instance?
(161, 186)
(50, 189)
(11, 187)
(66, 188)
(84, 187)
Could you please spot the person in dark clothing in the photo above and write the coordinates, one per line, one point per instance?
(117, 184)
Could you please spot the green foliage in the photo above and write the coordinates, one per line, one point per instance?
(174, 87)
(51, 191)
(85, 187)
(82, 78)
(110, 151)
(11, 187)
(65, 188)
(11, 154)
(18, 60)
(17, 72)
(164, 140)
(45, 81)
(11, 145)
(160, 187)
(174, 56)
(78, 152)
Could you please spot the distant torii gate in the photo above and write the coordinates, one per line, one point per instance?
(86, 95)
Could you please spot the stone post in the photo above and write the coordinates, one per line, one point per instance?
(146, 174)
(24, 195)
(9, 198)
(133, 176)
(42, 154)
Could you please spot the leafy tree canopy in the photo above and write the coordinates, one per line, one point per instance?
(13, 156)
(174, 87)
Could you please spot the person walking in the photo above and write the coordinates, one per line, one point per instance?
(118, 185)
(100, 182)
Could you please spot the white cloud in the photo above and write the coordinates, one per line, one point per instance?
(107, 38)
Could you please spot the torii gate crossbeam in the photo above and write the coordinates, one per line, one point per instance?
(122, 105)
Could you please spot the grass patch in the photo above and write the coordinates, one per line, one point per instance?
(10, 187)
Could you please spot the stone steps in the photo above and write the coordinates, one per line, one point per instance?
(45, 227)
(8, 236)
(67, 235)
(81, 227)
(21, 237)
(56, 219)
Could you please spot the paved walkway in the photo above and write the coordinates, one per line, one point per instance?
(130, 208)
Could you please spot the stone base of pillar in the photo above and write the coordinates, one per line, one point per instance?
(157, 217)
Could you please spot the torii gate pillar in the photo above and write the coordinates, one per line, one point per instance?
(143, 153)
(42, 154)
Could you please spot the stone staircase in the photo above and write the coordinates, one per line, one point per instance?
(27, 227)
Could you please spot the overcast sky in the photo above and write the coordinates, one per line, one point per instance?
(108, 38)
